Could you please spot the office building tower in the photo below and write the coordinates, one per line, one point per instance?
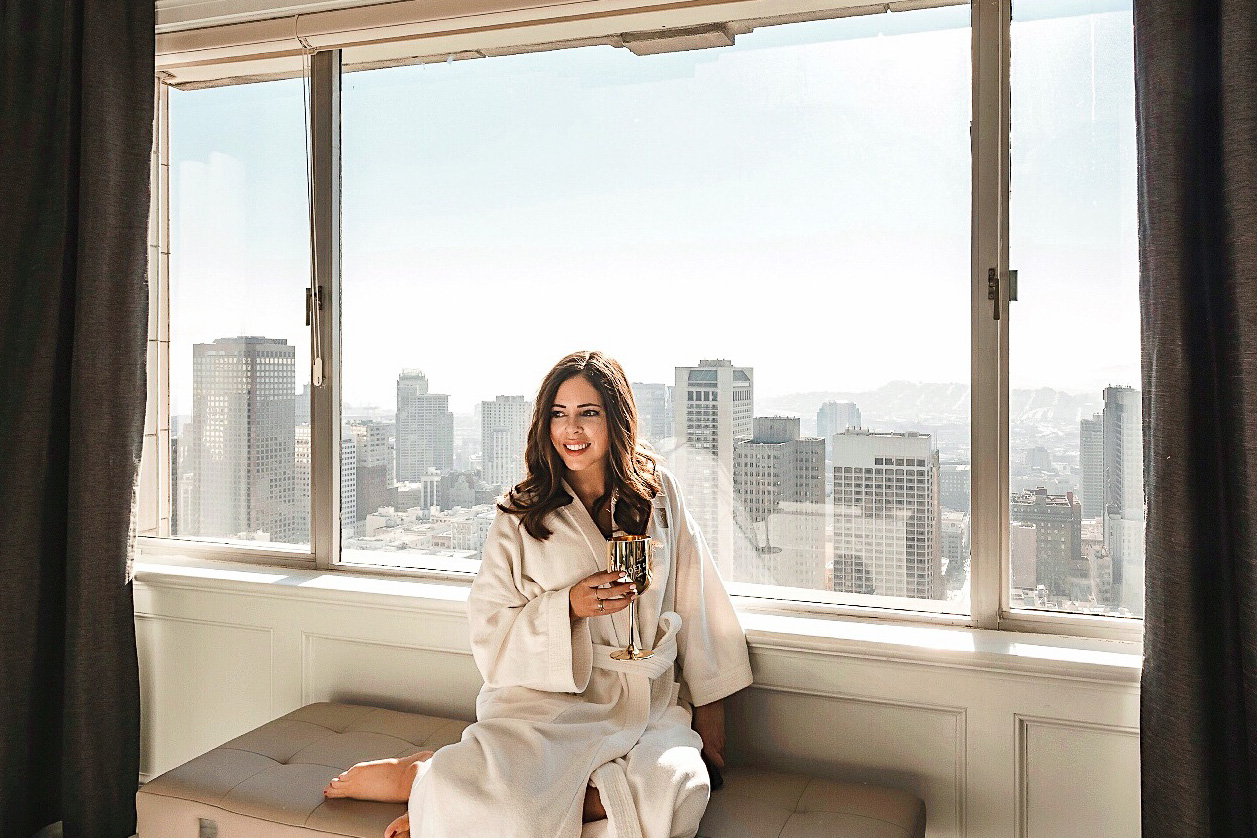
(1091, 464)
(348, 485)
(654, 411)
(425, 428)
(1124, 494)
(887, 538)
(712, 411)
(836, 417)
(503, 435)
(372, 488)
(301, 509)
(1057, 522)
(779, 486)
(954, 480)
(954, 529)
(1024, 552)
(243, 452)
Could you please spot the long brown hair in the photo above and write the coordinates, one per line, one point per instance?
(631, 467)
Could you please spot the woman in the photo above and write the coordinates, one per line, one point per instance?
(569, 741)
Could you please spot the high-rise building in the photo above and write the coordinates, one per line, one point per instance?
(503, 436)
(779, 485)
(348, 485)
(372, 488)
(836, 417)
(425, 428)
(1057, 522)
(1023, 548)
(243, 455)
(301, 508)
(712, 412)
(954, 486)
(1091, 464)
(654, 411)
(1124, 494)
(887, 538)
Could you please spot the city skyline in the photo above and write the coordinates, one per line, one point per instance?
(886, 515)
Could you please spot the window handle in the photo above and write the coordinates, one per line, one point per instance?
(992, 289)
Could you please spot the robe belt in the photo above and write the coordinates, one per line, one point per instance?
(665, 652)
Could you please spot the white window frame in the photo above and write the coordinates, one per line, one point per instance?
(990, 590)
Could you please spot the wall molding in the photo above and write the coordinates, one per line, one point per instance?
(1023, 723)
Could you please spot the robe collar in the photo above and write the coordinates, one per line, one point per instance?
(589, 529)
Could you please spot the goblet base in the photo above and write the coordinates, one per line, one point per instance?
(631, 654)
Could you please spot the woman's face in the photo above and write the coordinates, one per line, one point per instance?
(578, 425)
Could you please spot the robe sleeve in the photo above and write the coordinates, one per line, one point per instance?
(521, 634)
(711, 647)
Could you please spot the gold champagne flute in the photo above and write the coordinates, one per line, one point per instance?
(630, 555)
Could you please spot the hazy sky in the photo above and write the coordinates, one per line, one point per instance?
(798, 203)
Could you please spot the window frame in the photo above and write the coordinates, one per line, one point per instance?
(990, 567)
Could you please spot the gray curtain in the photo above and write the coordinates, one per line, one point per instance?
(1196, 83)
(76, 111)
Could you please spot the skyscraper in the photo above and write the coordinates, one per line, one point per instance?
(301, 506)
(712, 411)
(243, 452)
(779, 484)
(503, 436)
(425, 428)
(654, 411)
(887, 538)
(372, 488)
(836, 417)
(348, 485)
(1091, 464)
(1059, 565)
(1124, 494)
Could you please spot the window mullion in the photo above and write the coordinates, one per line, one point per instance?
(989, 563)
(325, 218)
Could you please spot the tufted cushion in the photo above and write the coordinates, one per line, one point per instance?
(269, 783)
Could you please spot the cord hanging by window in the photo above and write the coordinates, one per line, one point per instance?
(314, 294)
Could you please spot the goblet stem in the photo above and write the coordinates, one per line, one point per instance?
(632, 625)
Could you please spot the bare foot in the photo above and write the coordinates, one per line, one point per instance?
(399, 828)
(387, 780)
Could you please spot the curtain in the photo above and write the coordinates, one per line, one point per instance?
(1196, 89)
(76, 113)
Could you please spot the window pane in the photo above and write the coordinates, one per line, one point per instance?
(1076, 445)
(797, 205)
(239, 350)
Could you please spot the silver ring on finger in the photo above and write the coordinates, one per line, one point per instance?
(602, 606)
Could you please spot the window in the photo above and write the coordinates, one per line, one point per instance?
(770, 204)
(239, 374)
(1076, 426)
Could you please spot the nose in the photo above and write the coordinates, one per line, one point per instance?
(573, 426)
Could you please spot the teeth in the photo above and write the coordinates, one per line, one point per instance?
(580, 447)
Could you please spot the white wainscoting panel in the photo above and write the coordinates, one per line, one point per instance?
(1077, 779)
(993, 752)
(917, 747)
(393, 675)
(199, 680)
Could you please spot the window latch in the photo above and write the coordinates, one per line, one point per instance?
(993, 290)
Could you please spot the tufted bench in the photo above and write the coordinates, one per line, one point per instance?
(269, 783)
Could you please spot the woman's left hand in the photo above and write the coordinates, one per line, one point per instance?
(709, 723)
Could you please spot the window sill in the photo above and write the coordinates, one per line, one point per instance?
(1039, 655)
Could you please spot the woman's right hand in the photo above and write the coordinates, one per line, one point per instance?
(587, 599)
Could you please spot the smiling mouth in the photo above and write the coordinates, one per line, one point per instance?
(576, 447)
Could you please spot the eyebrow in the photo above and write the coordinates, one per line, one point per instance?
(586, 404)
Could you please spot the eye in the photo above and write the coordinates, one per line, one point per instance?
(590, 411)
(556, 414)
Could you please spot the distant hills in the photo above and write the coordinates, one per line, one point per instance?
(903, 405)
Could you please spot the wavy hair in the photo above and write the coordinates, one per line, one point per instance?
(632, 467)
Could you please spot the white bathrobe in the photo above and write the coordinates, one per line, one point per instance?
(556, 710)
